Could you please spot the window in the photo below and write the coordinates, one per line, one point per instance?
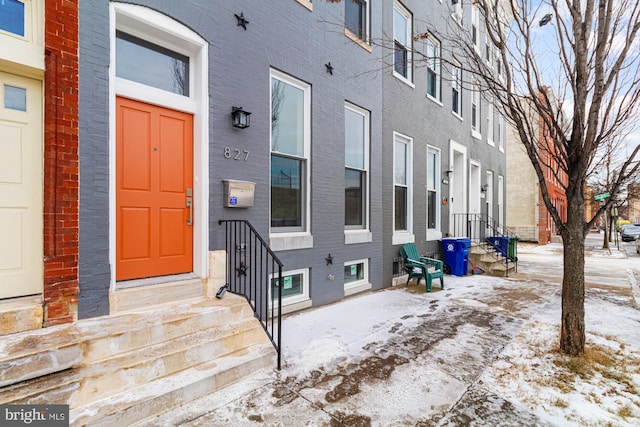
(475, 27)
(433, 205)
(12, 17)
(356, 276)
(152, 65)
(475, 110)
(402, 39)
(456, 89)
(433, 68)
(295, 286)
(402, 182)
(490, 128)
(499, 131)
(356, 161)
(457, 10)
(15, 98)
(356, 18)
(290, 147)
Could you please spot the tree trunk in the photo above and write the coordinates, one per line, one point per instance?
(572, 333)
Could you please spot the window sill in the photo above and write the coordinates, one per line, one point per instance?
(491, 143)
(401, 239)
(403, 79)
(306, 3)
(457, 116)
(435, 100)
(476, 135)
(357, 236)
(293, 306)
(434, 234)
(357, 40)
(354, 288)
(290, 241)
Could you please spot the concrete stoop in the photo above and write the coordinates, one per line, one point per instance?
(123, 369)
(493, 265)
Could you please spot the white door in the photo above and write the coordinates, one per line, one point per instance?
(21, 163)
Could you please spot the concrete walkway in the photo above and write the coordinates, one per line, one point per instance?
(422, 368)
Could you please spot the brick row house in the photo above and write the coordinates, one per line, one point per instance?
(39, 163)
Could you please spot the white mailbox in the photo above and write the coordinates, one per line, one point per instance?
(238, 194)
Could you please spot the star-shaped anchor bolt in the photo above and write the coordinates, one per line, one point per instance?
(242, 269)
(329, 259)
(329, 68)
(242, 22)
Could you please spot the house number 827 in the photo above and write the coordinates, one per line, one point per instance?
(235, 153)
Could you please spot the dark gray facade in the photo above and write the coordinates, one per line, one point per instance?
(427, 121)
(281, 35)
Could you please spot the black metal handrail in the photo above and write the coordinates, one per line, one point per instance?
(484, 231)
(254, 271)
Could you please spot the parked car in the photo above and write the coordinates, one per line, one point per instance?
(630, 233)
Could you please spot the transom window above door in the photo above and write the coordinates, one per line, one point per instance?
(12, 16)
(152, 65)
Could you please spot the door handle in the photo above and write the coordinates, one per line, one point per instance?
(190, 206)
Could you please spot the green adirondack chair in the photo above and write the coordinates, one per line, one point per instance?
(418, 266)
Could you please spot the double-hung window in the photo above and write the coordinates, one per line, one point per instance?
(490, 128)
(433, 205)
(12, 17)
(402, 40)
(433, 67)
(402, 183)
(290, 148)
(457, 10)
(456, 89)
(475, 27)
(356, 18)
(475, 110)
(356, 163)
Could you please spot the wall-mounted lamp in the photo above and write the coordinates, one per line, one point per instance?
(484, 188)
(240, 117)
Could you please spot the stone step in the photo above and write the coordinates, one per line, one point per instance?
(88, 383)
(46, 351)
(20, 314)
(149, 401)
(154, 294)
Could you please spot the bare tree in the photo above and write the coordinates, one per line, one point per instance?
(572, 65)
(575, 65)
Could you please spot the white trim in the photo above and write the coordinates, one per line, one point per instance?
(459, 175)
(294, 299)
(406, 236)
(358, 285)
(435, 233)
(306, 156)
(357, 236)
(366, 114)
(409, 38)
(161, 30)
(27, 50)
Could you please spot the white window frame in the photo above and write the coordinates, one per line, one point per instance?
(150, 25)
(403, 236)
(490, 124)
(501, 200)
(409, 37)
(362, 234)
(435, 233)
(365, 42)
(359, 285)
(500, 132)
(306, 3)
(285, 239)
(434, 45)
(456, 84)
(28, 50)
(475, 28)
(475, 114)
(457, 11)
(293, 302)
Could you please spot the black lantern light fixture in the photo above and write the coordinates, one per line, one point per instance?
(240, 117)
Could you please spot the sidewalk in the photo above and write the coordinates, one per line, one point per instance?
(480, 352)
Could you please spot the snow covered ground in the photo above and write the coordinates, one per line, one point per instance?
(483, 351)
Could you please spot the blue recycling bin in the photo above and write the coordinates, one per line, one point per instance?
(456, 254)
(500, 244)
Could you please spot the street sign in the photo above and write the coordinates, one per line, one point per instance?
(601, 196)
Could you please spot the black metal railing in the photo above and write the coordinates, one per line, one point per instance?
(255, 272)
(489, 234)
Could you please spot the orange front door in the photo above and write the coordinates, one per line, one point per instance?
(154, 182)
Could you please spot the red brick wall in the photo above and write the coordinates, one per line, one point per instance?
(61, 162)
